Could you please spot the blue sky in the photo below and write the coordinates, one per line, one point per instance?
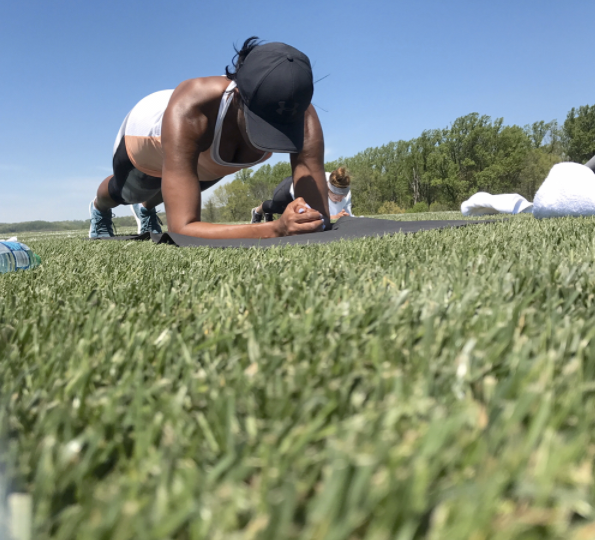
(72, 70)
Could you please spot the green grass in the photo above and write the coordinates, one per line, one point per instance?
(438, 385)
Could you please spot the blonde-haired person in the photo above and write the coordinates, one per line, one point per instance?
(339, 197)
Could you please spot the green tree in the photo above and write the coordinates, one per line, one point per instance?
(244, 175)
(546, 136)
(419, 166)
(367, 180)
(536, 167)
(210, 212)
(233, 200)
(441, 167)
(478, 154)
(579, 133)
(262, 183)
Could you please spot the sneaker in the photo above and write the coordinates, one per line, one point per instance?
(269, 217)
(147, 220)
(102, 225)
(256, 217)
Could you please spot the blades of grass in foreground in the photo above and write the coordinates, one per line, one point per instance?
(437, 385)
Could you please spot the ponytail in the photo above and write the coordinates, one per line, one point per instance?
(240, 56)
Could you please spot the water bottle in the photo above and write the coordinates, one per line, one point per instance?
(16, 256)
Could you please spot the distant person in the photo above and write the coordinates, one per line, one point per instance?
(174, 144)
(339, 197)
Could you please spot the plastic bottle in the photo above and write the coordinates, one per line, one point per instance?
(16, 256)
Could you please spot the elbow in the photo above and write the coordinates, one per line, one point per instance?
(175, 228)
(178, 227)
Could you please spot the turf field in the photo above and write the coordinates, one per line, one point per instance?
(438, 385)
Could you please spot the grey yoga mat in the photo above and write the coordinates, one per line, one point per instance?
(346, 228)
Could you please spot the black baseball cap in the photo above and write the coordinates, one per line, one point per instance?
(276, 86)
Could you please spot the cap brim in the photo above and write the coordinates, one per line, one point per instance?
(286, 138)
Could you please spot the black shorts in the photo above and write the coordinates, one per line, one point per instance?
(131, 186)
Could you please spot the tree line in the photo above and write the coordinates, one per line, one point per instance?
(435, 171)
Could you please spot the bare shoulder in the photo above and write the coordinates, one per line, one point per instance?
(191, 114)
(198, 96)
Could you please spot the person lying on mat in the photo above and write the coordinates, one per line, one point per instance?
(339, 197)
(174, 144)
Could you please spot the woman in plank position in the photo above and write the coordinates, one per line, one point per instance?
(176, 143)
(339, 197)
